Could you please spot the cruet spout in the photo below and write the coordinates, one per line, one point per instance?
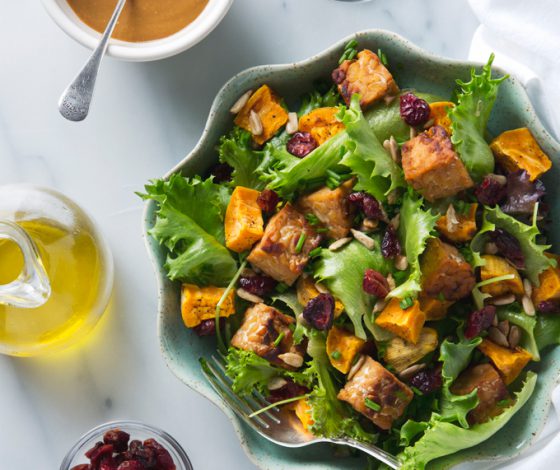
(31, 288)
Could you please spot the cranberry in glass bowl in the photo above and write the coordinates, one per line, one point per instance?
(140, 432)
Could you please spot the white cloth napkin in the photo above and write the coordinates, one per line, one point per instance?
(525, 36)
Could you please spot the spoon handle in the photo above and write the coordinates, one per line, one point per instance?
(76, 99)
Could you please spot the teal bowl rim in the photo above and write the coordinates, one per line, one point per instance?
(536, 127)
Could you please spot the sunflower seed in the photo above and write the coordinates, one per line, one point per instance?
(503, 326)
(321, 288)
(413, 132)
(241, 102)
(500, 179)
(255, 123)
(379, 306)
(356, 367)
(339, 243)
(401, 262)
(528, 287)
(388, 99)
(248, 296)
(292, 126)
(368, 242)
(369, 225)
(451, 217)
(392, 198)
(396, 221)
(276, 383)
(497, 337)
(528, 306)
(503, 300)
(292, 359)
(391, 282)
(429, 124)
(514, 336)
(495, 320)
(409, 372)
(490, 248)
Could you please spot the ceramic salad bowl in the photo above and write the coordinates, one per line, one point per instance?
(412, 68)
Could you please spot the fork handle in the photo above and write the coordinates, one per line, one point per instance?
(370, 449)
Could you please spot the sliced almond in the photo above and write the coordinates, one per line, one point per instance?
(497, 337)
(401, 262)
(339, 243)
(276, 383)
(528, 306)
(514, 336)
(292, 125)
(356, 367)
(451, 217)
(411, 371)
(503, 300)
(255, 123)
(242, 293)
(292, 359)
(368, 242)
(241, 102)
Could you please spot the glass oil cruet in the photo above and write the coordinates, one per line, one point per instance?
(56, 271)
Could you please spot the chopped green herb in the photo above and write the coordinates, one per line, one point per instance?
(279, 339)
(416, 391)
(336, 355)
(407, 302)
(350, 51)
(321, 230)
(382, 57)
(441, 297)
(372, 405)
(503, 403)
(315, 252)
(312, 219)
(300, 242)
(281, 287)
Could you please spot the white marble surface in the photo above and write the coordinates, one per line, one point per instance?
(145, 118)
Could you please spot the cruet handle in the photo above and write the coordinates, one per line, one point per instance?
(32, 288)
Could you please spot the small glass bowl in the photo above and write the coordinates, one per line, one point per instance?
(138, 431)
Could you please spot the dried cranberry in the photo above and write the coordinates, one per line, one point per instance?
(268, 200)
(221, 172)
(390, 245)
(522, 194)
(208, 327)
(338, 75)
(131, 465)
(319, 312)
(427, 380)
(414, 111)
(370, 206)
(375, 283)
(490, 191)
(548, 306)
(82, 466)
(257, 284)
(289, 390)
(119, 439)
(108, 463)
(301, 144)
(163, 458)
(479, 321)
(509, 247)
(98, 452)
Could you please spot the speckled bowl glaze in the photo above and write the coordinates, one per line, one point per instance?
(414, 68)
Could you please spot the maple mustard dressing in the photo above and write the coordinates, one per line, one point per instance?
(140, 20)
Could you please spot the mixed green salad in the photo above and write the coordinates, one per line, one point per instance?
(374, 261)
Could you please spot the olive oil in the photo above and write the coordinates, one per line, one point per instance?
(74, 267)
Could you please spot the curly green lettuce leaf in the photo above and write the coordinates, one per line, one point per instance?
(535, 259)
(385, 119)
(289, 298)
(443, 438)
(377, 173)
(470, 118)
(192, 232)
(319, 98)
(547, 331)
(332, 418)
(342, 272)
(516, 316)
(415, 228)
(236, 150)
(251, 372)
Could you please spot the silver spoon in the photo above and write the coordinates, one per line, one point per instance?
(76, 99)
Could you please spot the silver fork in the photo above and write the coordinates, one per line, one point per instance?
(277, 424)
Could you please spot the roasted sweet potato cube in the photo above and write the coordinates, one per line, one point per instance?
(199, 303)
(277, 253)
(549, 283)
(445, 272)
(490, 391)
(269, 110)
(243, 221)
(497, 266)
(342, 347)
(367, 76)
(432, 167)
(406, 323)
(434, 308)
(372, 383)
(438, 112)
(509, 362)
(321, 123)
(460, 230)
(260, 329)
(518, 150)
(303, 412)
(331, 207)
(306, 290)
